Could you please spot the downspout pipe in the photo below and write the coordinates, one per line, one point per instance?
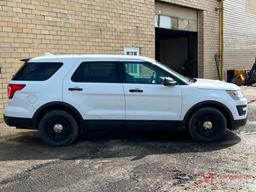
(221, 37)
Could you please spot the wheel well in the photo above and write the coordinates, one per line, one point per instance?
(224, 110)
(57, 106)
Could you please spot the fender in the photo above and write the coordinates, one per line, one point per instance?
(59, 105)
(209, 103)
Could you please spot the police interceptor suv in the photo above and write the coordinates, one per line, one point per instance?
(63, 95)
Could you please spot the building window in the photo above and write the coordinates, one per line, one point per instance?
(134, 69)
(132, 51)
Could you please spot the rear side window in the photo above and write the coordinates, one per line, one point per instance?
(36, 71)
(97, 72)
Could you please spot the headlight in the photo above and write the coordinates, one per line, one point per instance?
(236, 94)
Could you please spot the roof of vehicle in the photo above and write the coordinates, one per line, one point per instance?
(98, 57)
(49, 56)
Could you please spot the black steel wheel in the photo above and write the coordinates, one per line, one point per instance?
(58, 128)
(207, 125)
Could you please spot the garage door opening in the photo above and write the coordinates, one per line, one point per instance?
(178, 50)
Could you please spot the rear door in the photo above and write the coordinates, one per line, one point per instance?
(146, 97)
(94, 88)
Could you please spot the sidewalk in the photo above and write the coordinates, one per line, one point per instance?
(250, 93)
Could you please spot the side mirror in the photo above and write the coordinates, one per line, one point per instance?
(169, 82)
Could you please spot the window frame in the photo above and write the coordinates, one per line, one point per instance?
(179, 82)
(118, 72)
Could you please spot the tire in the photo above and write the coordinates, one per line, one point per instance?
(58, 128)
(207, 125)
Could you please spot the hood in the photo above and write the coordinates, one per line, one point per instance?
(215, 84)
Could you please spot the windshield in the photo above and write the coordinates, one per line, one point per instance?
(178, 75)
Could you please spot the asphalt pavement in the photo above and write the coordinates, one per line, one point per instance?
(132, 161)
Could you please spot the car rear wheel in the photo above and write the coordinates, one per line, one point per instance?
(58, 128)
(207, 125)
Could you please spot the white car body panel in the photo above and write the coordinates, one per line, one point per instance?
(156, 102)
(192, 95)
(97, 100)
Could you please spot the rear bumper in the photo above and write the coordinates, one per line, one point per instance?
(19, 123)
(238, 123)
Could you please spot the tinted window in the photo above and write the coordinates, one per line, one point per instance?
(104, 72)
(144, 73)
(36, 71)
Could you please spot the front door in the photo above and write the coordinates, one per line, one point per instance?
(146, 97)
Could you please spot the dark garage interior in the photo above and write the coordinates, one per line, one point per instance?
(178, 50)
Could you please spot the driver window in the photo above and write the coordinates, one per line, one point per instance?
(144, 73)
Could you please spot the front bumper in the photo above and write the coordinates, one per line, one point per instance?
(235, 124)
(241, 109)
(18, 122)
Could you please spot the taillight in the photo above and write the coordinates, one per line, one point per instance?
(12, 88)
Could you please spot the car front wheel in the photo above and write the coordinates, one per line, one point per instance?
(58, 128)
(207, 125)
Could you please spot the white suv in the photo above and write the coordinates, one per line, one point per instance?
(63, 95)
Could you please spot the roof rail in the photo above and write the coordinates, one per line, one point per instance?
(25, 59)
(48, 54)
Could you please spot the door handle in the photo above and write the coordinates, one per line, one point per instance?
(75, 89)
(135, 90)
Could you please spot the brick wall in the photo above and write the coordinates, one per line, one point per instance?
(240, 33)
(30, 28)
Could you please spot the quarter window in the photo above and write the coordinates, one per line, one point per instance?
(101, 72)
(36, 71)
